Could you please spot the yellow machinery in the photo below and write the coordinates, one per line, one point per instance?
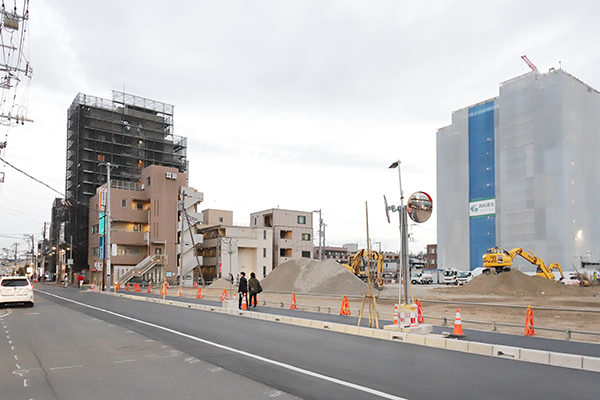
(500, 260)
(358, 266)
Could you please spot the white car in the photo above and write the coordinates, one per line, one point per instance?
(464, 277)
(16, 289)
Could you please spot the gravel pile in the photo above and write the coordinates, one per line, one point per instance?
(222, 283)
(518, 284)
(313, 276)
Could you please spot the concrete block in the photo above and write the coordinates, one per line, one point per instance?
(435, 341)
(286, 320)
(269, 317)
(591, 364)
(415, 339)
(327, 325)
(305, 322)
(399, 336)
(277, 318)
(316, 324)
(458, 345)
(566, 360)
(382, 334)
(230, 304)
(339, 328)
(296, 321)
(506, 352)
(537, 356)
(480, 348)
(391, 328)
(362, 331)
(351, 329)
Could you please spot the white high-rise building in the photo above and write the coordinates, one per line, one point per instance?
(521, 170)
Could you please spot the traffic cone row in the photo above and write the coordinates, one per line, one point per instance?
(529, 331)
(396, 315)
(345, 310)
(199, 294)
(293, 302)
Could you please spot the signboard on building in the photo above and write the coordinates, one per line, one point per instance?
(101, 247)
(481, 208)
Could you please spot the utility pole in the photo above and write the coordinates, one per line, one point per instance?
(321, 234)
(107, 244)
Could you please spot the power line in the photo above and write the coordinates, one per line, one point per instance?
(29, 176)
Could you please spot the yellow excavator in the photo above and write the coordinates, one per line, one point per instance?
(498, 260)
(358, 267)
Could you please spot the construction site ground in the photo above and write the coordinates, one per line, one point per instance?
(577, 308)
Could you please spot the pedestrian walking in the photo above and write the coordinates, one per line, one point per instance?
(242, 290)
(254, 288)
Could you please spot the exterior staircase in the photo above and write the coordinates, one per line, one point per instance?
(143, 266)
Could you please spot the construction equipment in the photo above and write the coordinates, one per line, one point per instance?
(359, 268)
(499, 260)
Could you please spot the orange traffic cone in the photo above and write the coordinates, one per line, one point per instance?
(127, 287)
(396, 315)
(345, 310)
(293, 302)
(137, 287)
(149, 288)
(199, 294)
(118, 286)
(195, 284)
(529, 331)
(224, 295)
(180, 292)
(92, 286)
(244, 302)
(420, 316)
(457, 325)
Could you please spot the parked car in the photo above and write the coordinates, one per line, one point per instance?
(421, 278)
(15, 290)
(464, 277)
(450, 276)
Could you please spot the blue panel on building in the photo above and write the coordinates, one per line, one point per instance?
(482, 230)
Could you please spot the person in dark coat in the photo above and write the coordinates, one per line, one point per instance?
(253, 285)
(243, 289)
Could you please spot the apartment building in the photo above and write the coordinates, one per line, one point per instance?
(292, 233)
(146, 235)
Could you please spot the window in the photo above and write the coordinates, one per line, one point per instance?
(264, 253)
(306, 254)
(220, 219)
(302, 219)
(148, 180)
(264, 270)
(100, 157)
(264, 234)
(95, 228)
(306, 236)
(124, 203)
(139, 206)
(137, 227)
(94, 251)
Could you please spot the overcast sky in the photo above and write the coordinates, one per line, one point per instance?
(301, 105)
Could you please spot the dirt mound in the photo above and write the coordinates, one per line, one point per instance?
(518, 284)
(313, 276)
(221, 283)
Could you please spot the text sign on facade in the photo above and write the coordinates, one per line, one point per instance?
(171, 175)
(482, 207)
(101, 247)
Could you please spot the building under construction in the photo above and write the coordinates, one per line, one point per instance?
(125, 134)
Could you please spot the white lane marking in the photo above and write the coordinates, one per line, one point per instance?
(25, 382)
(16, 357)
(66, 367)
(123, 361)
(242, 352)
(18, 366)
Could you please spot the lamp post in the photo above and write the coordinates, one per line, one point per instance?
(403, 239)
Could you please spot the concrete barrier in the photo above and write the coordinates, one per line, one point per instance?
(506, 352)
(339, 328)
(435, 341)
(316, 324)
(566, 360)
(591, 364)
(415, 339)
(480, 348)
(536, 356)
(399, 336)
(368, 332)
(458, 345)
(379, 334)
(351, 329)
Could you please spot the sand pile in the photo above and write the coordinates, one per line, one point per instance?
(313, 276)
(221, 283)
(516, 283)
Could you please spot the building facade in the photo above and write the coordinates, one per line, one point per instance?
(339, 254)
(130, 133)
(292, 233)
(228, 249)
(145, 228)
(518, 170)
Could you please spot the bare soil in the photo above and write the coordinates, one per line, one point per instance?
(499, 299)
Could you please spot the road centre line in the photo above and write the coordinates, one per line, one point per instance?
(242, 352)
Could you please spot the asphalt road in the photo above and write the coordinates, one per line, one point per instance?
(281, 359)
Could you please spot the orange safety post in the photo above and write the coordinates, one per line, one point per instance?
(396, 314)
(458, 331)
(224, 295)
(293, 302)
(180, 292)
(529, 331)
(199, 294)
(345, 310)
(420, 316)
